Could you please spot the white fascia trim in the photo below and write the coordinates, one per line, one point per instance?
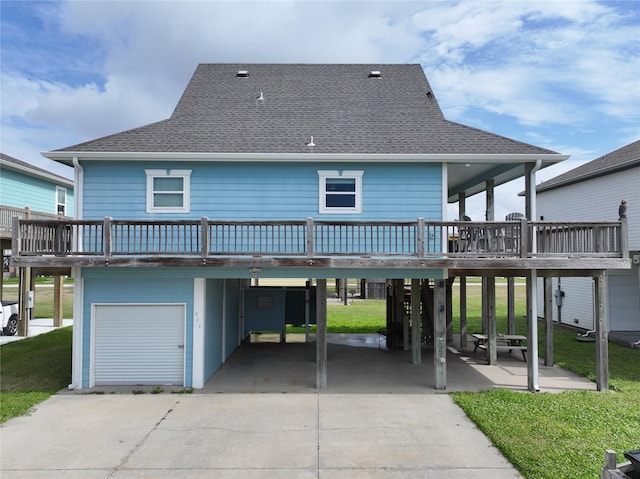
(297, 157)
(61, 180)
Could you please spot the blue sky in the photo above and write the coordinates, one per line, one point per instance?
(563, 75)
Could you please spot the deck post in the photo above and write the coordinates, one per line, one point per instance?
(485, 313)
(321, 334)
(602, 331)
(548, 321)
(440, 333)
(462, 211)
(524, 238)
(420, 238)
(106, 236)
(492, 351)
(58, 291)
(624, 237)
(24, 284)
(310, 246)
(449, 284)
(511, 305)
(463, 313)
(532, 331)
(416, 323)
(204, 231)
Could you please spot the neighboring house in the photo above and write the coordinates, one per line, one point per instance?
(29, 191)
(591, 192)
(23, 185)
(277, 171)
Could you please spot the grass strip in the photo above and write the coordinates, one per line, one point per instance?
(33, 369)
(555, 435)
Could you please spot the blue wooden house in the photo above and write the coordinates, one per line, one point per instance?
(279, 171)
(27, 191)
(25, 187)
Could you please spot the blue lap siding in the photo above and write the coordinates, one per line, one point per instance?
(259, 191)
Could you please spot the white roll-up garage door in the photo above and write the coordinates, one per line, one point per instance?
(138, 344)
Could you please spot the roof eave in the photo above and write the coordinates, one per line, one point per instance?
(589, 176)
(66, 157)
(52, 177)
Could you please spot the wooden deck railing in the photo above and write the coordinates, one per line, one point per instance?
(7, 213)
(310, 238)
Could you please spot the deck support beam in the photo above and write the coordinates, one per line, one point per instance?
(532, 332)
(321, 334)
(602, 331)
(23, 293)
(58, 297)
(511, 305)
(416, 323)
(548, 321)
(440, 333)
(462, 212)
(492, 351)
(463, 313)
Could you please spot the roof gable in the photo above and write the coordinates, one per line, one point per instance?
(277, 108)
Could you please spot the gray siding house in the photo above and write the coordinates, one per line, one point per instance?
(591, 192)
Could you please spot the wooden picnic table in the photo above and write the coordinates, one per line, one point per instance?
(503, 341)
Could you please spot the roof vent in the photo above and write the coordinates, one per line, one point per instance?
(243, 73)
(375, 74)
(311, 143)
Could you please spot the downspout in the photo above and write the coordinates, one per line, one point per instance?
(78, 289)
(78, 187)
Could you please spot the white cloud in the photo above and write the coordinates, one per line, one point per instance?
(534, 61)
(555, 73)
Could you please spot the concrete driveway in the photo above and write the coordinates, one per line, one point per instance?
(260, 417)
(330, 436)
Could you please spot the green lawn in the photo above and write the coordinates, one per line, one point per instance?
(33, 369)
(557, 435)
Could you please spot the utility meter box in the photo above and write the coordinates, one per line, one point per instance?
(30, 299)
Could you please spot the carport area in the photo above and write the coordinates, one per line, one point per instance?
(359, 363)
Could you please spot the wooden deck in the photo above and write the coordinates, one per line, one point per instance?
(464, 246)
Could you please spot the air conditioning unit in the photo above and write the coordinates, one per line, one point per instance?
(636, 259)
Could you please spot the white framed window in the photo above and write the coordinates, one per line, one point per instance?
(61, 200)
(340, 193)
(168, 191)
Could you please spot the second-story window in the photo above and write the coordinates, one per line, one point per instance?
(61, 200)
(340, 193)
(168, 191)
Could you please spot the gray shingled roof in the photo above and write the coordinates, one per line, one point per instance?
(618, 160)
(341, 106)
(34, 170)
